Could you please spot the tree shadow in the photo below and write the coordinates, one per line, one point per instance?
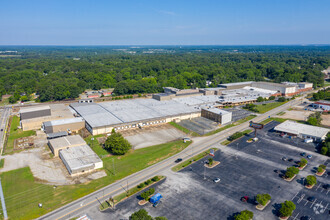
(232, 216)
(301, 181)
(276, 209)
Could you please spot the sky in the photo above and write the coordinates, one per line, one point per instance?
(164, 22)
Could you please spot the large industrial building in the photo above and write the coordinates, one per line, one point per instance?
(68, 125)
(301, 130)
(124, 114)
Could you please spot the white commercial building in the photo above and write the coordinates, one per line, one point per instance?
(301, 130)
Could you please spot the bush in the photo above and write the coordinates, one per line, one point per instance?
(281, 99)
(260, 99)
(272, 98)
(323, 166)
(324, 150)
(155, 179)
(141, 214)
(145, 195)
(311, 180)
(263, 198)
(290, 172)
(303, 162)
(235, 136)
(319, 170)
(244, 215)
(210, 161)
(147, 182)
(141, 185)
(287, 208)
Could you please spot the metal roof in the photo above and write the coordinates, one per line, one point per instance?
(68, 141)
(293, 127)
(34, 108)
(79, 157)
(236, 83)
(63, 121)
(217, 111)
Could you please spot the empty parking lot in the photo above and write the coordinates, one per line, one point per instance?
(245, 170)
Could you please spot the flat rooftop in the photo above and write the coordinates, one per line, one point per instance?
(236, 84)
(293, 127)
(79, 157)
(68, 141)
(127, 111)
(63, 121)
(217, 111)
(34, 108)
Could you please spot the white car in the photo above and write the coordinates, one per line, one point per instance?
(216, 180)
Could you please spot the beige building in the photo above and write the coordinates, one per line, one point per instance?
(58, 144)
(68, 125)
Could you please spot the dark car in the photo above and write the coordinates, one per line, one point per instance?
(326, 186)
(303, 154)
(304, 218)
(157, 203)
(276, 171)
(290, 160)
(178, 160)
(311, 198)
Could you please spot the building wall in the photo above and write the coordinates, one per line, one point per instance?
(226, 118)
(72, 126)
(134, 125)
(35, 114)
(221, 118)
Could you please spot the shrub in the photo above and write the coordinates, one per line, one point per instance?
(145, 195)
(260, 99)
(235, 136)
(141, 214)
(263, 198)
(324, 150)
(290, 172)
(311, 180)
(210, 161)
(155, 179)
(287, 208)
(244, 215)
(272, 98)
(281, 99)
(323, 166)
(141, 185)
(147, 182)
(303, 162)
(319, 170)
(117, 144)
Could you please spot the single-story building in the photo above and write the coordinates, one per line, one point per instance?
(296, 129)
(58, 144)
(34, 112)
(81, 159)
(324, 105)
(68, 124)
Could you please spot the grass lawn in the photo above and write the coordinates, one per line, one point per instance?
(94, 144)
(231, 125)
(2, 162)
(23, 193)
(15, 133)
(269, 106)
(183, 129)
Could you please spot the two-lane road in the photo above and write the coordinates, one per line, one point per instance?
(3, 125)
(200, 144)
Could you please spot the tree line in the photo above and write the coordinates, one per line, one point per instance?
(56, 77)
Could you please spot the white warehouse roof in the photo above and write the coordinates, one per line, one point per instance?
(293, 127)
(217, 111)
(63, 121)
(34, 109)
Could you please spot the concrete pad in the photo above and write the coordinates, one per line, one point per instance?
(154, 137)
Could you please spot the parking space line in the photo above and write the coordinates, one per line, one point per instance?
(326, 206)
(318, 187)
(301, 198)
(313, 203)
(328, 191)
(295, 196)
(322, 189)
(306, 202)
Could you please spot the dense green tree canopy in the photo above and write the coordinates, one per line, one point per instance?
(55, 75)
(117, 144)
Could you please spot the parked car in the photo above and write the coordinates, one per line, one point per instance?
(284, 158)
(245, 198)
(326, 186)
(309, 156)
(157, 203)
(178, 160)
(290, 160)
(216, 180)
(311, 198)
(303, 154)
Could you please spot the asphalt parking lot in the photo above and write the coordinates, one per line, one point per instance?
(246, 169)
(238, 113)
(199, 125)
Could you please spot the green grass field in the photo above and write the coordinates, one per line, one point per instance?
(15, 133)
(2, 162)
(226, 142)
(269, 106)
(183, 129)
(23, 193)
